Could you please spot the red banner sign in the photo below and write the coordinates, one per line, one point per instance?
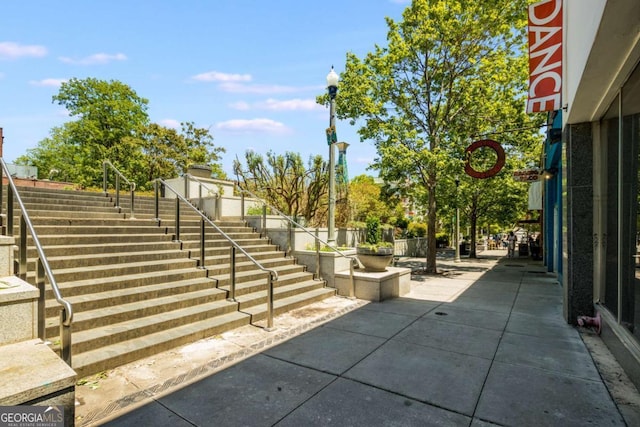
(545, 56)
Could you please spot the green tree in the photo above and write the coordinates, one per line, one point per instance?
(284, 182)
(165, 152)
(105, 112)
(111, 122)
(451, 70)
(365, 199)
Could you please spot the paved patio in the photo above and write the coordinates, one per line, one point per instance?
(482, 343)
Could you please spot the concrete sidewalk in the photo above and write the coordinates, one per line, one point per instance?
(482, 343)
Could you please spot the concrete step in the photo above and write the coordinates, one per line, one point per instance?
(136, 290)
(259, 312)
(280, 292)
(116, 270)
(98, 360)
(89, 286)
(174, 309)
(98, 300)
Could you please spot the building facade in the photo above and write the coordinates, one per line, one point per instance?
(591, 213)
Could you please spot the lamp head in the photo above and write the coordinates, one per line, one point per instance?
(332, 83)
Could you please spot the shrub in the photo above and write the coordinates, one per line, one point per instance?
(416, 229)
(373, 230)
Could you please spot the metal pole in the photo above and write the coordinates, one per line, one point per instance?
(331, 239)
(232, 274)
(117, 191)
(23, 248)
(133, 209)
(270, 302)
(177, 239)
(457, 236)
(104, 177)
(352, 287)
(242, 206)
(289, 230)
(317, 254)
(41, 299)
(156, 187)
(202, 234)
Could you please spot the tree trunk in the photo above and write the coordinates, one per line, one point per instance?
(472, 251)
(431, 229)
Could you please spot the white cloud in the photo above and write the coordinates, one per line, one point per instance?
(97, 58)
(253, 126)
(48, 82)
(170, 123)
(240, 105)
(235, 87)
(279, 105)
(216, 76)
(291, 105)
(11, 50)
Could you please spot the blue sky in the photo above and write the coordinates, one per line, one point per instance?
(249, 70)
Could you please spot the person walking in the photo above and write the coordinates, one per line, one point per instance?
(511, 244)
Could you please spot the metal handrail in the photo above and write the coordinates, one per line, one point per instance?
(353, 259)
(187, 178)
(273, 275)
(119, 175)
(42, 267)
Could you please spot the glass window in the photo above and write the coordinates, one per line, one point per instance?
(630, 247)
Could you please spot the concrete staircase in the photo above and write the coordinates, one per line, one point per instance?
(135, 291)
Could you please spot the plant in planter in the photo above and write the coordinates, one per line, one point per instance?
(374, 254)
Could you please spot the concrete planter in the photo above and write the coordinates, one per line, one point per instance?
(375, 260)
(330, 263)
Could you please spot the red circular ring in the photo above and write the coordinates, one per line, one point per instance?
(488, 173)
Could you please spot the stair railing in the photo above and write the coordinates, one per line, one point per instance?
(42, 266)
(353, 261)
(201, 186)
(106, 165)
(272, 274)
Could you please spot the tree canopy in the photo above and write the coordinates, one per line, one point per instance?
(452, 70)
(111, 123)
(285, 183)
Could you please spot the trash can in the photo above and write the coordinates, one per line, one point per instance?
(523, 249)
(464, 249)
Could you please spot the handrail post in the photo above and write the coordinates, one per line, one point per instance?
(177, 239)
(133, 212)
(187, 193)
(117, 191)
(156, 188)
(232, 273)
(23, 248)
(269, 302)
(104, 177)
(352, 287)
(202, 243)
(289, 231)
(317, 253)
(65, 337)
(264, 220)
(2, 225)
(200, 197)
(242, 206)
(40, 277)
(9, 211)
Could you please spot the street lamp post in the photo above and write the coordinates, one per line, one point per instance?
(457, 237)
(332, 87)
